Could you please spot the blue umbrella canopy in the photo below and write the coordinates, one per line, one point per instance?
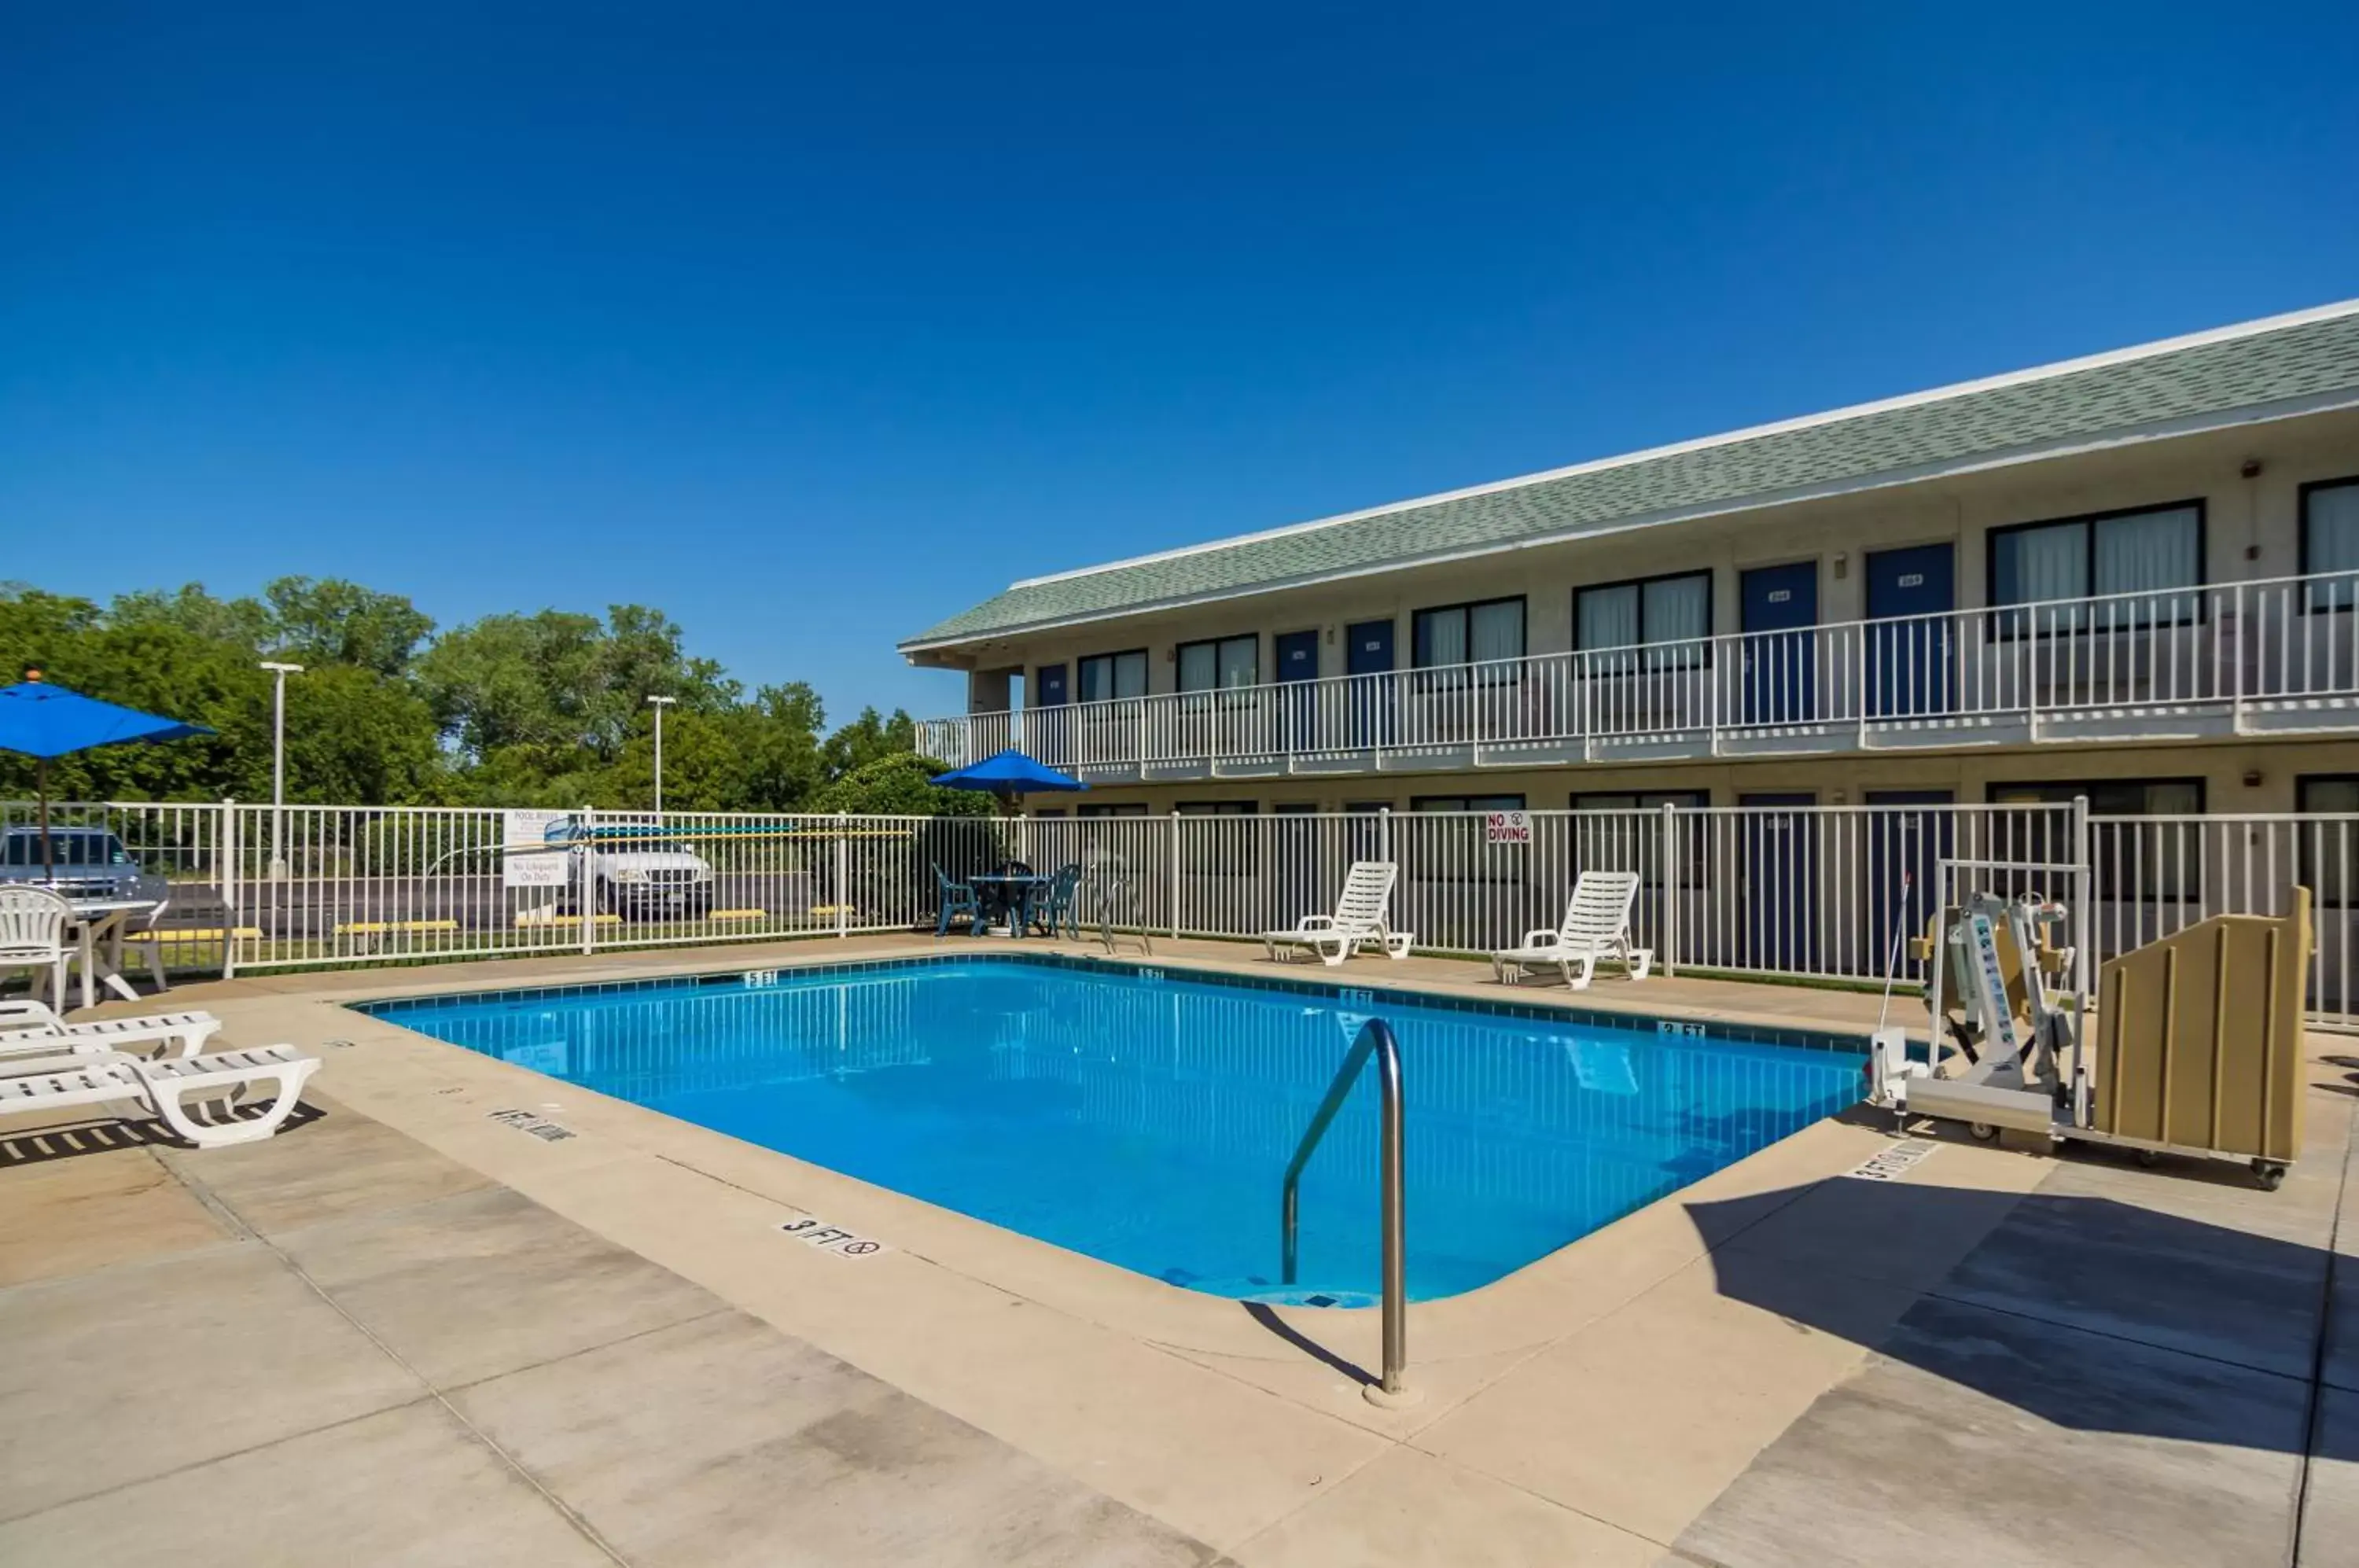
(42, 720)
(1009, 773)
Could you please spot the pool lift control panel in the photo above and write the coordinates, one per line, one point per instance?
(2029, 1076)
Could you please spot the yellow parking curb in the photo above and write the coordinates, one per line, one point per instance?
(739, 915)
(187, 933)
(526, 920)
(387, 928)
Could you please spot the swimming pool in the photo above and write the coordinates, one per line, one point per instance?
(1146, 1119)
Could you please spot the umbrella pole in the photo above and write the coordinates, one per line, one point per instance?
(49, 854)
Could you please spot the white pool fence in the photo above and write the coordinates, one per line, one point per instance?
(1808, 893)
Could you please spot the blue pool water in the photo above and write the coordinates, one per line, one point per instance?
(1148, 1122)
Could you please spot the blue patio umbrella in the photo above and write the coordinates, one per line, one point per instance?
(1008, 775)
(41, 720)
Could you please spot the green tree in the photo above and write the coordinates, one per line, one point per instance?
(242, 623)
(901, 784)
(867, 738)
(337, 622)
(776, 737)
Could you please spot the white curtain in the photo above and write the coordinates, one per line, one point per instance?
(1199, 667)
(1498, 631)
(1675, 608)
(1609, 616)
(2049, 563)
(2330, 544)
(1445, 637)
(2150, 553)
(1130, 675)
(1240, 660)
(1678, 611)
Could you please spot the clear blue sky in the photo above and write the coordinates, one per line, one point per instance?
(812, 324)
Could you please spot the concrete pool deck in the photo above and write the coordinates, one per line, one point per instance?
(603, 1348)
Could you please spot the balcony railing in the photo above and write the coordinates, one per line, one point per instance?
(2245, 658)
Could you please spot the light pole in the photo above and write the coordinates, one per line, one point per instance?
(278, 764)
(660, 703)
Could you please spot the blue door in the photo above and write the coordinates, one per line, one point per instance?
(1901, 840)
(1781, 864)
(1781, 663)
(1911, 664)
(1368, 650)
(1048, 730)
(1297, 661)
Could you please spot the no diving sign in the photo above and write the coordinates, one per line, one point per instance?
(832, 1238)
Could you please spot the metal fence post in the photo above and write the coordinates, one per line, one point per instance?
(587, 903)
(1671, 858)
(227, 839)
(2084, 889)
(843, 874)
(2232, 639)
(1384, 835)
(1174, 820)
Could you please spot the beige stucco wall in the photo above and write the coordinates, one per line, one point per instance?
(2251, 531)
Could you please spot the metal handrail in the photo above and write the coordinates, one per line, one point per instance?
(1375, 1037)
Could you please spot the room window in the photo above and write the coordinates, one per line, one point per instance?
(1220, 664)
(1654, 623)
(1106, 808)
(2137, 861)
(1616, 842)
(1483, 632)
(1467, 803)
(2330, 542)
(1644, 800)
(2329, 849)
(1106, 676)
(1219, 851)
(2155, 554)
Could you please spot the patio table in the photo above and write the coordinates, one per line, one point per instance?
(1009, 896)
(98, 935)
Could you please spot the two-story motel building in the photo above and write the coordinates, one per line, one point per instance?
(2131, 577)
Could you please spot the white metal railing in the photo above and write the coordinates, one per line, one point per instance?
(2275, 656)
(1807, 892)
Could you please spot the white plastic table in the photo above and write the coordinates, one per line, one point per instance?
(98, 934)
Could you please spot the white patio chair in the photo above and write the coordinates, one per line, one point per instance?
(148, 943)
(1596, 926)
(1358, 921)
(33, 1028)
(166, 1089)
(33, 935)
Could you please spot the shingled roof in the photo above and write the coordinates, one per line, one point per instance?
(2268, 369)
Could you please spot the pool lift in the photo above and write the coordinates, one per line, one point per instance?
(2031, 1077)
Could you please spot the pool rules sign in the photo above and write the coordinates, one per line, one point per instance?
(1514, 828)
(527, 857)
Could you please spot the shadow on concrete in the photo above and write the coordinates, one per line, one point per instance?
(1261, 1313)
(107, 1135)
(2088, 1312)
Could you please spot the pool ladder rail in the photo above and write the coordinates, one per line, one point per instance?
(1375, 1041)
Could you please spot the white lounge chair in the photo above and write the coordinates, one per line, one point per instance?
(34, 1027)
(1596, 925)
(164, 1089)
(1358, 921)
